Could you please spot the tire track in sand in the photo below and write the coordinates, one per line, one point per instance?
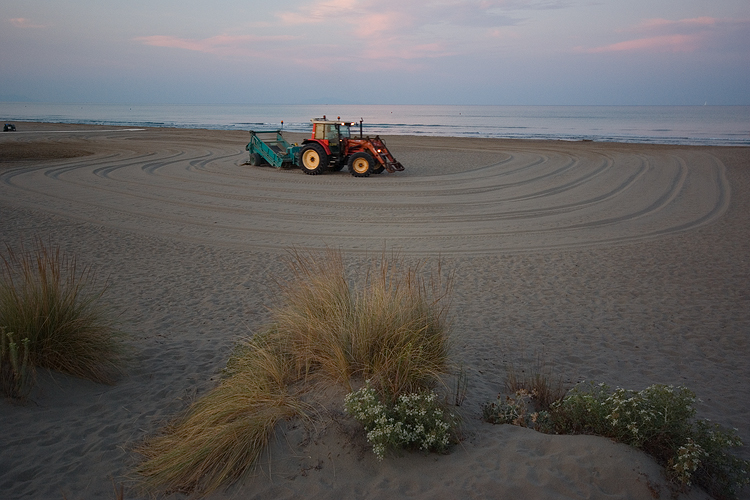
(499, 200)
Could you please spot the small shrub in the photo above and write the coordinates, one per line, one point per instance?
(582, 411)
(658, 420)
(532, 394)
(719, 473)
(51, 307)
(539, 384)
(415, 421)
(515, 410)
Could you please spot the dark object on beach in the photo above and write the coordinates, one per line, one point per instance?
(9, 127)
(330, 147)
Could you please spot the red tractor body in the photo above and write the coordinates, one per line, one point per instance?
(331, 146)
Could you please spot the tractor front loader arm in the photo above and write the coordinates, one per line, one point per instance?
(381, 154)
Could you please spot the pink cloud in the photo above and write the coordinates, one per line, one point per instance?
(665, 43)
(220, 44)
(318, 12)
(22, 22)
(359, 18)
(661, 24)
(664, 35)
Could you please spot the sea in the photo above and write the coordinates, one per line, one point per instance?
(684, 125)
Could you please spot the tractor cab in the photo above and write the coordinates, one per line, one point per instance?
(331, 133)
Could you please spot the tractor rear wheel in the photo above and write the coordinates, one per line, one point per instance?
(360, 164)
(255, 159)
(313, 159)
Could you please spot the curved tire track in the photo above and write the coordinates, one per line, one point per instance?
(526, 199)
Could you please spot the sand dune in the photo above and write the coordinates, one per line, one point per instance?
(625, 264)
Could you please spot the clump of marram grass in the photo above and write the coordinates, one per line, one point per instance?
(223, 433)
(390, 328)
(53, 317)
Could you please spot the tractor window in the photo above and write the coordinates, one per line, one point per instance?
(344, 131)
(320, 131)
(331, 133)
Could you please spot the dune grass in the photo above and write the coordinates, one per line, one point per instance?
(389, 328)
(538, 382)
(224, 432)
(52, 307)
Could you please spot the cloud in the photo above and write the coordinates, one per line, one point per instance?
(680, 25)
(320, 11)
(224, 45)
(371, 35)
(672, 43)
(395, 16)
(665, 35)
(401, 31)
(22, 22)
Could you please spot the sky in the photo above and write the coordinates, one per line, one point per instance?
(486, 52)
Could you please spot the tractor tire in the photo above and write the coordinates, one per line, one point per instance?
(378, 169)
(361, 164)
(313, 159)
(255, 159)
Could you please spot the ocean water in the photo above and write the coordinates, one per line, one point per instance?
(690, 125)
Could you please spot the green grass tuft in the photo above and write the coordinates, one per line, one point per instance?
(51, 305)
(223, 433)
(390, 329)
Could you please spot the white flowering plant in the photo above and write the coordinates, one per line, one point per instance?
(414, 421)
(659, 420)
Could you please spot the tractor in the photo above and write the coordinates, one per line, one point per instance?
(330, 147)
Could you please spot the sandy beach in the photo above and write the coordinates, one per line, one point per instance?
(619, 263)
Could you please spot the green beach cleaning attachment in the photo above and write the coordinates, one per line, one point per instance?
(269, 146)
(330, 147)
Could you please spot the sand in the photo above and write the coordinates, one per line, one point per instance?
(624, 264)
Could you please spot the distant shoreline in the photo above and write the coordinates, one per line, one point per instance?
(685, 125)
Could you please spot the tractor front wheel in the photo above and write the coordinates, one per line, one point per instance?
(360, 164)
(313, 159)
